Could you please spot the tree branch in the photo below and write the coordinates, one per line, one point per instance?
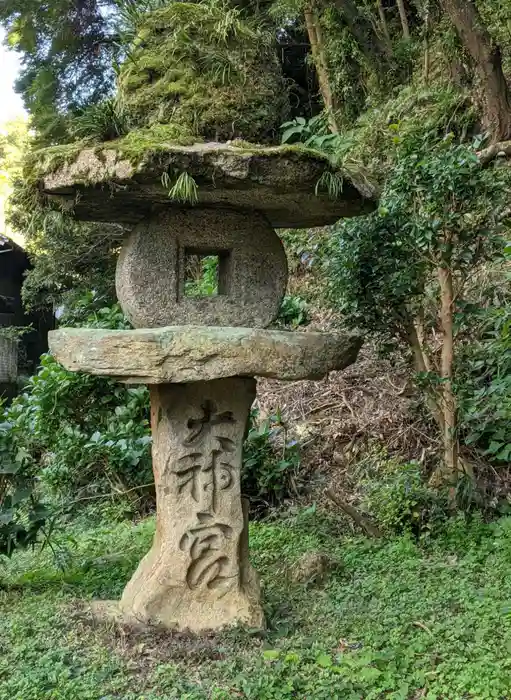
(487, 155)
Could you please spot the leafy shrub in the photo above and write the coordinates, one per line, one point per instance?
(21, 514)
(314, 133)
(82, 433)
(270, 462)
(293, 311)
(399, 501)
(75, 435)
(485, 386)
(94, 311)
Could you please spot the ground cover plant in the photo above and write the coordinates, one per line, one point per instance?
(391, 619)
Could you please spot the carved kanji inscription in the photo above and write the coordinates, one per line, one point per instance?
(210, 565)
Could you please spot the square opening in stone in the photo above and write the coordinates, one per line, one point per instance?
(206, 272)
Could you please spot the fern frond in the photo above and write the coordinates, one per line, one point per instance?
(185, 189)
(331, 182)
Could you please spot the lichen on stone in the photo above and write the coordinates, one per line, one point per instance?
(205, 68)
(137, 147)
(47, 160)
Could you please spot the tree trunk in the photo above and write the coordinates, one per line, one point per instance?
(404, 19)
(427, 50)
(374, 49)
(383, 21)
(318, 55)
(422, 364)
(450, 440)
(488, 65)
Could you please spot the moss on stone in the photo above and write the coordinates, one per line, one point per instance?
(242, 146)
(47, 160)
(138, 146)
(204, 67)
(142, 144)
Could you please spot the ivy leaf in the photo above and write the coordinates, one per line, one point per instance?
(271, 654)
(288, 133)
(324, 661)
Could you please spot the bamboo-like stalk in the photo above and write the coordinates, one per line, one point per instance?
(383, 20)
(404, 19)
(318, 55)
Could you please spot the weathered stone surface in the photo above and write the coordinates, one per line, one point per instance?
(150, 276)
(197, 575)
(312, 568)
(107, 184)
(199, 353)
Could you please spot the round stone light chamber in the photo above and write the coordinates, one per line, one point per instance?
(198, 266)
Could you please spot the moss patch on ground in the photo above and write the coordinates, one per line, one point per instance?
(394, 621)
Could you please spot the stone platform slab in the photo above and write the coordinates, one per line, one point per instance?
(182, 354)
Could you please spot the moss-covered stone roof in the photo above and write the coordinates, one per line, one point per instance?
(198, 71)
(207, 68)
(125, 180)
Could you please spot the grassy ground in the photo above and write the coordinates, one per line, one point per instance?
(391, 621)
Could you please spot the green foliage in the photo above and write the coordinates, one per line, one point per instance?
(81, 433)
(396, 620)
(439, 210)
(68, 51)
(485, 385)
(103, 121)
(382, 264)
(14, 332)
(91, 310)
(70, 258)
(495, 14)
(22, 515)
(270, 462)
(183, 190)
(204, 67)
(313, 133)
(202, 277)
(293, 312)
(398, 500)
(130, 15)
(414, 116)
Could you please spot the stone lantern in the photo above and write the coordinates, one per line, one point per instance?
(200, 354)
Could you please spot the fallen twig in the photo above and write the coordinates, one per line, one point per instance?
(369, 528)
